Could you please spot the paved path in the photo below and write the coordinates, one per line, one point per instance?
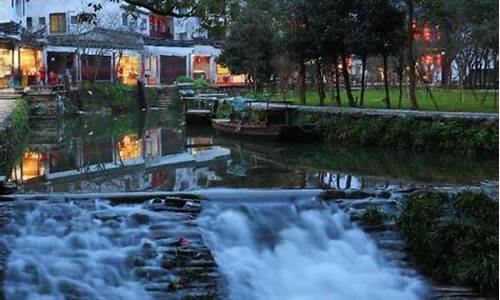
(391, 112)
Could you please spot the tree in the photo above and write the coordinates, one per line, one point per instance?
(467, 30)
(411, 58)
(295, 26)
(341, 20)
(249, 46)
(385, 28)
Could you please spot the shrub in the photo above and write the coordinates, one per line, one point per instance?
(224, 110)
(184, 79)
(454, 238)
(117, 97)
(201, 84)
(20, 115)
(406, 132)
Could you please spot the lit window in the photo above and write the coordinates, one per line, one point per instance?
(58, 23)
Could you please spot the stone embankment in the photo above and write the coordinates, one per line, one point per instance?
(409, 129)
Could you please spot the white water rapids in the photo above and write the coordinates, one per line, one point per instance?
(283, 247)
(279, 251)
(68, 251)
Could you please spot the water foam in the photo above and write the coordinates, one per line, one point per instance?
(70, 251)
(277, 252)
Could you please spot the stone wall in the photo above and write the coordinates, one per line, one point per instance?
(47, 105)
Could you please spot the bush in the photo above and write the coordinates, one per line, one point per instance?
(20, 115)
(201, 84)
(224, 110)
(411, 133)
(184, 79)
(454, 238)
(117, 97)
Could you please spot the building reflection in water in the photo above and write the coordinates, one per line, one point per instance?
(32, 166)
(130, 147)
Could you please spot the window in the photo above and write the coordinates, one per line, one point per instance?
(124, 19)
(133, 23)
(58, 23)
(41, 21)
(29, 23)
(144, 24)
(183, 36)
(74, 20)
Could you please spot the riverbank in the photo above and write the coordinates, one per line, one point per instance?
(14, 126)
(450, 235)
(402, 129)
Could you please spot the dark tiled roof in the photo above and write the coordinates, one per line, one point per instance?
(10, 28)
(8, 39)
(98, 38)
(178, 43)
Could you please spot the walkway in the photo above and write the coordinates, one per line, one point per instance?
(390, 112)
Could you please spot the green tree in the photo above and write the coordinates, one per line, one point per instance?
(249, 45)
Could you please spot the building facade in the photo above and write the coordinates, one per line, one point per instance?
(46, 40)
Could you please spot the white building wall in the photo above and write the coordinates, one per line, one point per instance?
(111, 15)
(187, 29)
(12, 10)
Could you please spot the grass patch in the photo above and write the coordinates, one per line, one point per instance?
(446, 99)
(454, 238)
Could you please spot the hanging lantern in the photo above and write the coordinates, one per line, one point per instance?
(414, 30)
(427, 33)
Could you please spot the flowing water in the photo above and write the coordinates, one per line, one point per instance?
(79, 250)
(301, 251)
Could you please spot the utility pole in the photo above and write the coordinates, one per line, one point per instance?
(411, 58)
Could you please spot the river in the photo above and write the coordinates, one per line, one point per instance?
(267, 245)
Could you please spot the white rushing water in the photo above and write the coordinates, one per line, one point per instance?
(279, 251)
(69, 251)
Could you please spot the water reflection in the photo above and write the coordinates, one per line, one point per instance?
(154, 152)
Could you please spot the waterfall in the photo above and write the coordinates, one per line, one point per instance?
(279, 250)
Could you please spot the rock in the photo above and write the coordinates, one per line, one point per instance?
(140, 219)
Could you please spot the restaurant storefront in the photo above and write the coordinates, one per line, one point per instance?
(31, 65)
(129, 68)
(224, 77)
(201, 67)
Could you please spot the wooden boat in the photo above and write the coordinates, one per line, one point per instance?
(270, 131)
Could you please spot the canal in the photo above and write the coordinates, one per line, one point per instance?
(266, 233)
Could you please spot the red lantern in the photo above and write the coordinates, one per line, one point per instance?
(427, 33)
(414, 30)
